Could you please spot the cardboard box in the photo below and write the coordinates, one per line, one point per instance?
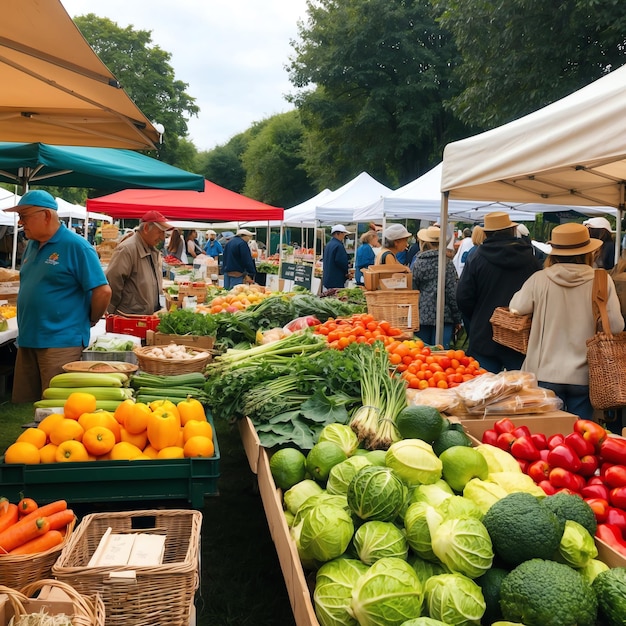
(375, 274)
(204, 342)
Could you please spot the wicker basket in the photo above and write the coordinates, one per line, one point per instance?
(399, 308)
(19, 570)
(154, 365)
(510, 329)
(158, 594)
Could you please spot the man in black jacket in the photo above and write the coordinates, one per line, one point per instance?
(492, 274)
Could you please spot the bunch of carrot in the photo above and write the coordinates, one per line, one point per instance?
(26, 528)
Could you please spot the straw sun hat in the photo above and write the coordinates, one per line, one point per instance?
(572, 239)
(499, 220)
(430, 234)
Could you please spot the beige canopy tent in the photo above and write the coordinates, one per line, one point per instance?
(571, 152)
(56, 90)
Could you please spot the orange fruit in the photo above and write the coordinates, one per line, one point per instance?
(124, 451)
(36, 436)
(167, 405)
(101, 418)
(199, 446)
(78, 403)
(181, 438)
(139, 439)
(48, 453)
(171, 452)
(142, 457)
(125, 408)
(150, 452)
(98, 440)
(66, 430)
(71, 451)
(22, 452)
(136, 421)
(48, 422)
(194, 427)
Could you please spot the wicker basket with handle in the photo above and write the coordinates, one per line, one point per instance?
(400, 307)
(510, 329)
(156, 365)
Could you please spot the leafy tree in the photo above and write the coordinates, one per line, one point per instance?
(145, 73)
(520, 55)
(274, 168)
(372, 76)
(223, 166)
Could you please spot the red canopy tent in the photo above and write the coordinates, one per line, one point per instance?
(215, 203)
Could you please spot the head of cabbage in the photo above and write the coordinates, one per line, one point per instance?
(376, 493)
(414, 461)
(454, 599)
(388, 593)
(325, 532)
(375, 540)
(342, 435)
(420, 520)
(341, 474)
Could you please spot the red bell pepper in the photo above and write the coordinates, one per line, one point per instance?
(589, 465)
(505, 440)
(613, 450)
(555, 440)
(560, 477)
(563, 456)
(504, 425)
(579, 444)
(615, 476)
(596, 480)
(612, 536)
(540, 441)
(617, 497)
(599, 507)
(595, 491)
(524, 448)
(543, 454)
(522, 431)
(591, 431)
(490, 436)
(523, 465)
(548, 489)
(617, 517)
(539, 470)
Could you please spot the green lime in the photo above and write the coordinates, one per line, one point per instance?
(461, 464)
(420, 422)
(322, 457)
(288, 467)
(449, 438)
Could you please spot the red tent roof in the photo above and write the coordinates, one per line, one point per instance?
(215, 203)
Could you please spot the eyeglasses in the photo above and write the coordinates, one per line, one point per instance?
(24, 218)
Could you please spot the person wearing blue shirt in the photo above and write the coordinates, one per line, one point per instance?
(212, 247)
(239, 265)
(365, 255)
(335, 260)
(63, 292)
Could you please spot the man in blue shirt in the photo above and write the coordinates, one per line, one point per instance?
(63, 292)
(212, 247)
(335, 260)
(239, 265)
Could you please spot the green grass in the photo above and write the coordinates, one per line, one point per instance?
(241, 582)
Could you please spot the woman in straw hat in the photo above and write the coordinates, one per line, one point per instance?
(493, 272)
(557, 351)
(425, 271)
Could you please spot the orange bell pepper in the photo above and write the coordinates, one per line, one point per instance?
(191, 409)
(163, 428)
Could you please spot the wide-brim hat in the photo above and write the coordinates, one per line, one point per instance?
(572, 239)
(431, 234)
(395, 232)
(499, 220)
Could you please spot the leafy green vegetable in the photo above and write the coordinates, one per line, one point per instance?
(187, 322)
(454, 599)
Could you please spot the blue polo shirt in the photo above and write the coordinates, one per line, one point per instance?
(54, 299)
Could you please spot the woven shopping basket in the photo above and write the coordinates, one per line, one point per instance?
(87, 610)
(155, 365)
(510, 329)
(19, 570)
(156, 594)
(400, 308)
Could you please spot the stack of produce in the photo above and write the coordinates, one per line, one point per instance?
(238, 298)
(109, 389)
(153, 387)
(134, 431)
(455, 534)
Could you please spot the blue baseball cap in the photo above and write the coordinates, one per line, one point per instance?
(36, 198)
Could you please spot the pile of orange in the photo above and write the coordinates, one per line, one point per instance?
(359, 328)
(91, 435)
(238, 298)
(424, 367)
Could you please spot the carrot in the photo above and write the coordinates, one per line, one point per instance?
(26, 506)
(47, 509)
(39, 544)
(21, 532)
(9, 517)
(61, 519)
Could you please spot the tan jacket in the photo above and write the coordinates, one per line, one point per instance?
(136, 283)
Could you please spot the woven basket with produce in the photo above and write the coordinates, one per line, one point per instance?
(171, 359)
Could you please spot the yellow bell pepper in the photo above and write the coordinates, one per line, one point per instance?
(163, 428)
(191, 409)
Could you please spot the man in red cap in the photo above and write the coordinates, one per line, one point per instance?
(135, 270)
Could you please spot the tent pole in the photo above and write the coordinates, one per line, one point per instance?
(441, 269)
(618, 221)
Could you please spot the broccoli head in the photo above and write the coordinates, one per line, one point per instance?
(547, 593)
(522, 528)
(570, 506)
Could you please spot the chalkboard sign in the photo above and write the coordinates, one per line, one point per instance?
(299, 273)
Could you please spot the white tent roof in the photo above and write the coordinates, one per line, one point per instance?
(77, 212)
(341, 204)
(572, 151)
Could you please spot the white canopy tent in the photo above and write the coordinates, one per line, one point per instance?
(572, 151)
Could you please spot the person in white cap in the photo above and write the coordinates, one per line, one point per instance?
(493, 272)
(395, 239)
(212, 247)
(335, 261)
(239, 265)
(600, 228)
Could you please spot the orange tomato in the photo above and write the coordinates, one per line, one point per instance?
(22, 452)
(199, 446)
(78, 403)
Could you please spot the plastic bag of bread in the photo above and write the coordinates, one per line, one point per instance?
(444, 400)
(529, 400)
(483, 390)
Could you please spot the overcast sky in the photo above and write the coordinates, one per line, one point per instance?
(231, 53)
